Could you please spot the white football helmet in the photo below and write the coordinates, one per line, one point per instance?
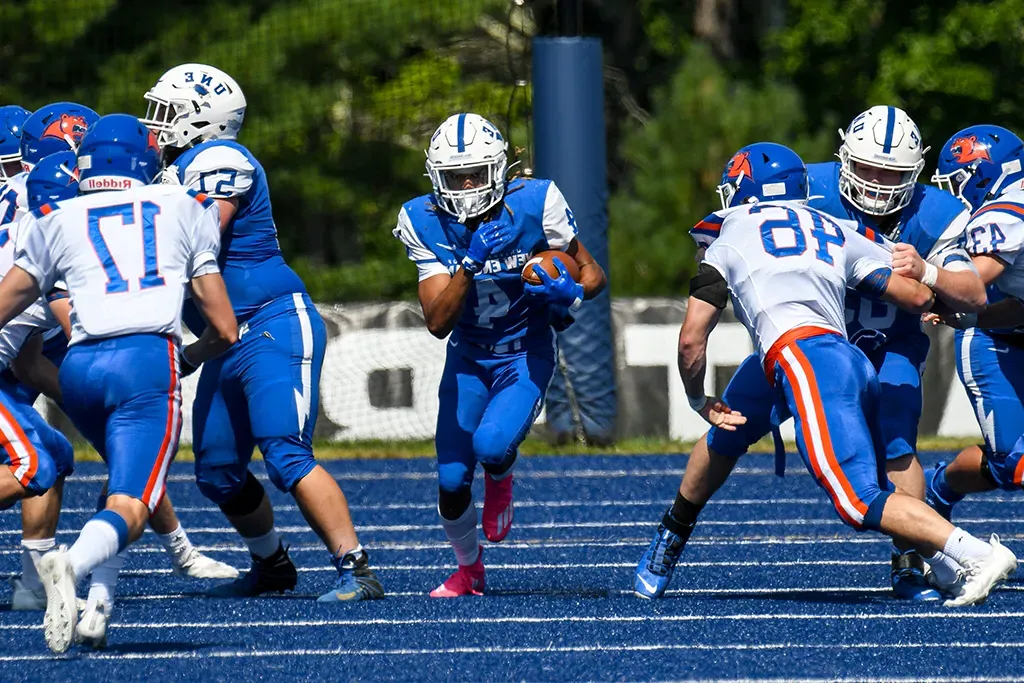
(192, 103)
(886, 138)
(467, 147)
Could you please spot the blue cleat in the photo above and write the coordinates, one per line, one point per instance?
(654, 572)
(932, 495)
(909, 581)
(356, 581)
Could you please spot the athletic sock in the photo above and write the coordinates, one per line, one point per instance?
(175, 543)
(961, 547)
(264, 546)
(682, 517)
(462, 534)
(102, 537)
(944, 568)
(32, 550)
(103, 584)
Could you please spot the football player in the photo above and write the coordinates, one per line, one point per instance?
(787, 268)
(120, 380)
(12, 118)
(983, 165)
(470, 239)
(265, 391)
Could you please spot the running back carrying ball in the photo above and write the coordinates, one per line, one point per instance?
(546, 260)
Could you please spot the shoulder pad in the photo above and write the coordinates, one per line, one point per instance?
(219, 157)
(201, 197)
(1011, 208)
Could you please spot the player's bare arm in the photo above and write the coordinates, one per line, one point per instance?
(961, 290)
(908, 294)
(228, 208)
(1002, 314)
(592, 275)
(35, 370)
(442, 298)
(18, 290)
(221, 331)
(708, 295)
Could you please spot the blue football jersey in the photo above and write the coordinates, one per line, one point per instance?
(250, 259)
(933, 223)
(497, 310)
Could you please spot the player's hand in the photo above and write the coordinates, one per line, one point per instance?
(562, 292)
(907, 262)
(186, 366)
(717, 414)
(489, 238)
(958, 321)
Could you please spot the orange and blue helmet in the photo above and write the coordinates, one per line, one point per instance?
(763, 171)
(979, 163)
(53, 179)
(117, 153)
(57, 127)
(12, 120)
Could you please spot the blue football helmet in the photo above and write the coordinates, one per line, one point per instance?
(117, 153)
(763, 171)
(12, 118)
(980, 163)
(57, 127)
(53, 179)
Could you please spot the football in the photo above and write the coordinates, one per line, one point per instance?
(546, 260)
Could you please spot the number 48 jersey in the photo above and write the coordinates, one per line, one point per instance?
(788, 266)
(125, 256)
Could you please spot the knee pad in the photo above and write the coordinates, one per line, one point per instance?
(246, 500)
(44, 478)
(491, 446)
(221, 483)
(454, 476)
(993, 471)
(287, 460)
(875, 498)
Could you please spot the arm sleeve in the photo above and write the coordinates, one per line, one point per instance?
(220, 172)
(559, 223)
(33, 256)
(205, 241)
(426, 261)
(948, 251)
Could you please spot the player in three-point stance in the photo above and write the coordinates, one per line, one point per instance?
(265, 392)
(126, 251)
(787, 267)
(470, 239)
(983, 165)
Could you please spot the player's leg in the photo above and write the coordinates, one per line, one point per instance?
(899, 367)
(131, 384)
(709, 465)
(992, 372)
(462, 398)
(186, 560)
(280, 366)
(223, 446)
(41, 510)
(829, 387)
(516, 394)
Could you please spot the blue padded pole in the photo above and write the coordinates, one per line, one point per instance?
(569, 148)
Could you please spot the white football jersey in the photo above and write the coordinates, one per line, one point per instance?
(125, 256)
(997, 229)
(788, 266)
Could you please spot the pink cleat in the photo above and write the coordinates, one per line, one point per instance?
(467, 580)
(497, 519)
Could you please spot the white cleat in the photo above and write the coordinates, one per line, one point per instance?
(25, 599)
(61, 603)
(92, 626)
(981, 576)
(194, 564)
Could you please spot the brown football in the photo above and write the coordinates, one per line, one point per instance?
(546, 260)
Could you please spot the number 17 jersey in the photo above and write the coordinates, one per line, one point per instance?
(124, 255)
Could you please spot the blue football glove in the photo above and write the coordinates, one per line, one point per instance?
(488, 239)
(186, 366)
(563, 292)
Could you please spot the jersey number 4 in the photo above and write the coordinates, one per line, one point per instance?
(126, 212)
(791, 223)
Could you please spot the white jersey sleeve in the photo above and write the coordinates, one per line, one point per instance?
(426, 261)
(33, 255)
(948, 251)
(205, 242)
(220, 172)
(559, 223)
(996, 233)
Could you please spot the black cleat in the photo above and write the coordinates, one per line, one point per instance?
(274, 574)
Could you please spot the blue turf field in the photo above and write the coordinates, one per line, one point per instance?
(772, 587)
